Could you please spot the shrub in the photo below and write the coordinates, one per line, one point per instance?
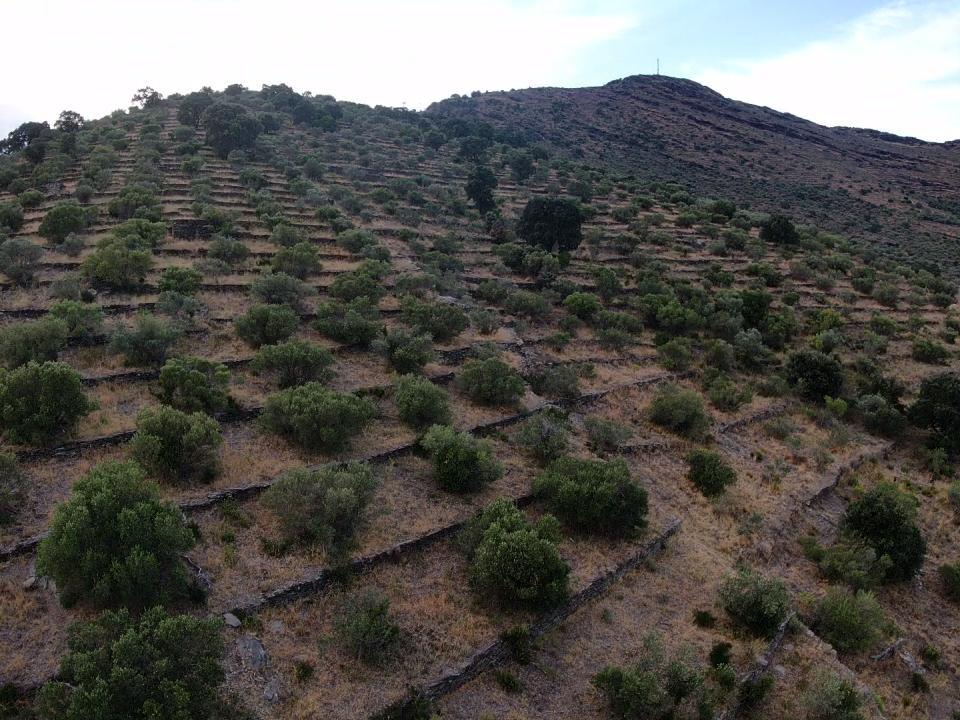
(228, 250)
(356, 323)
(546, 435)
(160, 666)
(115, 543)
(676, 355)
(365, 628)
(193, 384)
(490, 382)
(594, 495)
(11, 487)
(83, 321)
(950, 576)
(780, 230)
(606, 435)
(725, 395)
(39, 402)
(61, 220)
(551, 223)
(929, 351)
(316, 418)
(814, 375)
(115, 266)
(880, 416)
(38, 341)
(322, 506)
(831, 698)
(279, 289)
(461, 463)
(19, 259)
(177, 446)
(11, 216)
(406, 352)
(709, 472)
(755, 602)
(657, 687)
(183, 280)
(135, 201)
(230, 127)
(680, 411)
(299, 261)
(558, 381)
(583, 305)
(851, 622)
(294, 363)
(514, 562)
(266, 324)
(850, 561)
(420, 403)
(884, 519)
(937, 408)
(357, 283)
(442, 321)
(147, 342)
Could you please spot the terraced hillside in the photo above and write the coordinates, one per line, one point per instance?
(274, 306)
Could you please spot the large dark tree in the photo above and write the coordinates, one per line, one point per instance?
(779, 229)
(551, 223)
(938, 409)
(69, 121)
(192, 107)
(480, 184)
(230, 127)
(22, 136)
(815, 375)
(146, 97)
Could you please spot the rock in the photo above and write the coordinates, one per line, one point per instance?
(276, 626)
(30, 582)
(780, 671)
(231, 620)
(271, 692)
(251, 652)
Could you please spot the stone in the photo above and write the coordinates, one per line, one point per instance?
(30, 582)
(271, 692)
(780, 671)
(251, 652)
(276, 626)
(231, 620)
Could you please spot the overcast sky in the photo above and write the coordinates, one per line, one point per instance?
(889, 66)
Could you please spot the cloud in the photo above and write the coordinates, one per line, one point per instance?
(895, 69)
(91, 56)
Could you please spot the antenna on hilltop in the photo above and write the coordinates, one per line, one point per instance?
(658, 66)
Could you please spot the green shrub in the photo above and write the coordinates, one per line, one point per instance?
(279, 289)
(177, 446)
(829, 697)
(607, 283)
(294, 363)
(929, 351)
(19, 259)
(285, 236)
(135, 201)
(676, 355)
(558, 381)
(405, 352)
(780, 230)
(316, 418)
(461, 463)
(420, 403)
(853, 562)
(680, 411)
(365, 628)
(233, 252)
(299, 260)
(356, 323)
(266, 324)
(323, 506)
(950, 576)
(814, 375)
(755, 602)
(885, 520)
(39, 402)
(193, 384)
(709, 472)
(605, 436)
(84, 322)
(546, 435)
(594, 496)
(880, 416)
(364, 282)
(183, 280)
(658, 686)
(37, 341)
(440, 320)
(147, 342)
(851, 622)
(514, 562)
(115, 543)
(160, 666)
(11, 487)
(724, 394)
(527, 303)
(11, 216)
(937, 408)
(583, 305)
(61, 220)
(115, 266)
(490, 382)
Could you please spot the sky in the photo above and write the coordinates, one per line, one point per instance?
(892, 66)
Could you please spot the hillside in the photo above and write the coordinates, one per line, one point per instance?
(872, 186)
(235, 328)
